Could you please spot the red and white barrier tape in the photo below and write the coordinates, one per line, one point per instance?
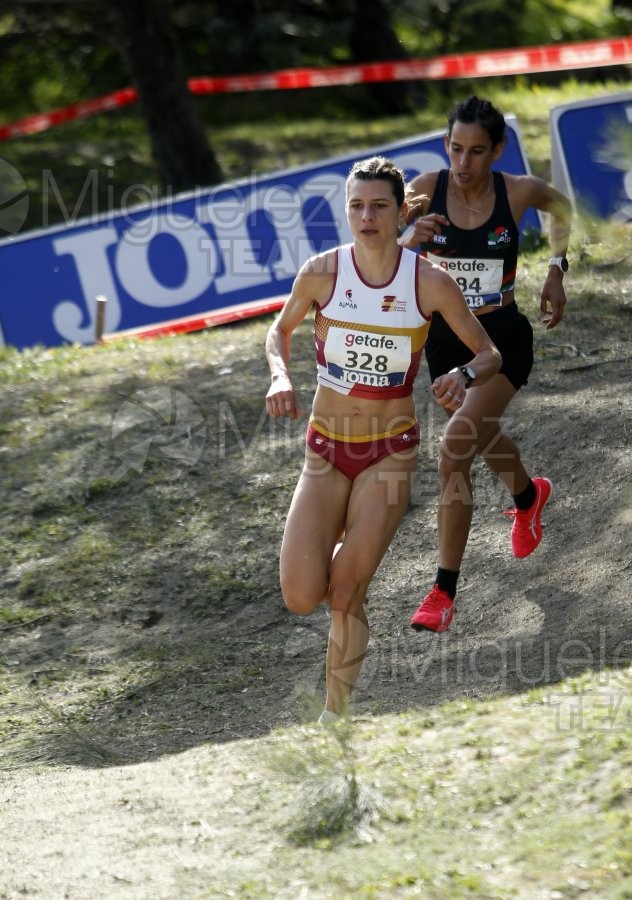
(521, 61)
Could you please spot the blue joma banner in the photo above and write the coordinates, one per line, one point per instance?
(590, 155)
(221, 250)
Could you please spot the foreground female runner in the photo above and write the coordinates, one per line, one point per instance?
(373, 302)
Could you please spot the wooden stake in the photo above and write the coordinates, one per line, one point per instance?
(100, 319)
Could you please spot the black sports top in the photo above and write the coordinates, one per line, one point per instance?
(482, 260)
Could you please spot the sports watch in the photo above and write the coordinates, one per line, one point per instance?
(560, 261)
(467, 372)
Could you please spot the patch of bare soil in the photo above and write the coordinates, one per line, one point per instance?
(94, 804)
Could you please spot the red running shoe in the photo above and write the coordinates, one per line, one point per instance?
(435, 613)
(526, 532)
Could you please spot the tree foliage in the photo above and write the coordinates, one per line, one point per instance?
(138, 38)
(57, 52)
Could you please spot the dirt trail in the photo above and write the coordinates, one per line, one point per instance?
(120, 816)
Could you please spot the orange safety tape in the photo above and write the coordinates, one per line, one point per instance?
(519, 61)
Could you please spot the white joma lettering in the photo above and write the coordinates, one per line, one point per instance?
(365, 378)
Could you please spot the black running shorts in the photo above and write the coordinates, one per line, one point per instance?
(508, 328)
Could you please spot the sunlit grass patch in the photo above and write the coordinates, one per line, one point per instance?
(334, 797)
(516, 797)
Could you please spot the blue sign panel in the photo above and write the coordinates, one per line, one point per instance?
(590, 163)
(207, 251)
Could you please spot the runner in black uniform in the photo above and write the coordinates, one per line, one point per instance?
(466, 219)
(474, 257)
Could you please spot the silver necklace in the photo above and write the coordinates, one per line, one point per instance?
(483, 198)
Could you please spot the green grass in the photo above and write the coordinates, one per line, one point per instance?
(497, 799)
(519, 797)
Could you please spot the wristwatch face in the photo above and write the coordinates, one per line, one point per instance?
(561, 262)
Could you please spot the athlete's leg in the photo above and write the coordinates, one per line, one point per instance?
(500, 452)
(314, 522)
(473, 430)
(378, 500)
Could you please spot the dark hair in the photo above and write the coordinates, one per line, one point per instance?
(378, 167)
(483, 113)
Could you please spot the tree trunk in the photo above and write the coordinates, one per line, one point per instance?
(144, 34)
(372, 38)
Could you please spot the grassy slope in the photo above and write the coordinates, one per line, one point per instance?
(519, 797)
(510, 798)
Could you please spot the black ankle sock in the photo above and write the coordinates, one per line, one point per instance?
(526, 498)
(446, 580)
